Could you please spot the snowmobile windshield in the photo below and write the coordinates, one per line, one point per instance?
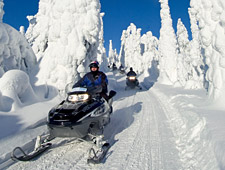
(94, 90)
(79, 89)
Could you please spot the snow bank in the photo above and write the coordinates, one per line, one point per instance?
(16, 90)
(190, 125)
(65, 36)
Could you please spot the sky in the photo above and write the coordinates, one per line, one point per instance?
(145, 14)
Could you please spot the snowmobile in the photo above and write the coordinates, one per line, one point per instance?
(83, 115)
(132, 82)
(114, 68)
(122, 70)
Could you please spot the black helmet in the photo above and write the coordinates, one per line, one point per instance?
(131, 69)
(94, 64)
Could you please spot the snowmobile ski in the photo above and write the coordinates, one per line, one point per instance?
(99, 155)
(28, 157)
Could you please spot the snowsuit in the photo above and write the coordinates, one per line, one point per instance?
(92, 79)
(131, 73)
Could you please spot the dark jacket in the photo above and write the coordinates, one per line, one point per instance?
(93, 79)
(131, 73)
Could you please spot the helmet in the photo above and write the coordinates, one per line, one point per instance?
(94, 64)
(131, 69)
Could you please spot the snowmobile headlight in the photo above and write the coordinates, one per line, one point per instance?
(132, 78)
(78, 97)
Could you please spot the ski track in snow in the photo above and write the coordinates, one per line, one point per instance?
(139, 134)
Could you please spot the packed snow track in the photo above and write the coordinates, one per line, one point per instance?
(139, 133)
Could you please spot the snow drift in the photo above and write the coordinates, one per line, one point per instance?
(16, 91)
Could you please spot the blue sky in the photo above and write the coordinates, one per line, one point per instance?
(145, 14)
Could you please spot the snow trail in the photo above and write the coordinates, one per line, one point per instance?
(142, 133)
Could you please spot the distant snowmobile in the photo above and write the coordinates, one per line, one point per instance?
(83, 114)
(114, 68)
(132, 82)
(122, 70)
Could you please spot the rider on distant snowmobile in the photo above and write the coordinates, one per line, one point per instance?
(131, 80)
(94, 78)
(131, 72)
(121, 69)
(114, 66)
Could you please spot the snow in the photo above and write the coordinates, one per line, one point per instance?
(158, 128)
(15, 85)
(176, 121)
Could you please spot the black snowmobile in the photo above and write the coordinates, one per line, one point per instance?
(114, 68)
(132, 82)
(122, 70)
(83, 115)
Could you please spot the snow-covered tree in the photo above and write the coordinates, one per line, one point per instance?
(167, 47)
(130, 51)
(196, 69)
(139, 52)
(121, 56)
(1, 10)
(149, 51)
(101, 55)
(184, 68)
(112, 56)
(65, 37)
(15, 52)
(111, 53)
(211, 21)
(22, 30)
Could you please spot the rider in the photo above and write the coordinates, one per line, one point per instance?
(131, 72)
(94, 78)
(114, 66)
(121, 67)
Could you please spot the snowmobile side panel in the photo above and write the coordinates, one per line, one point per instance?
(79, 130)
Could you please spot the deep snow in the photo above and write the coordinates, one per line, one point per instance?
(159, 127)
